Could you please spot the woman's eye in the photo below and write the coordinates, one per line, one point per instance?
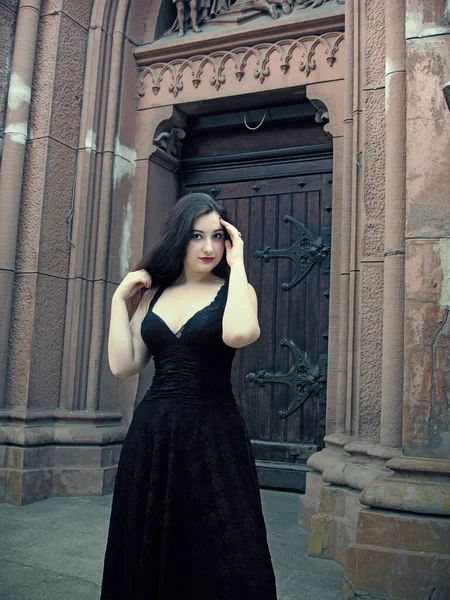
(218, 236)
(196, 236)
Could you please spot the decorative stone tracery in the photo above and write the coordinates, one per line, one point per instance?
(263, 59)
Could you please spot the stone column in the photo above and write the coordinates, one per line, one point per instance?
(346, 218)
(340, 305)
(323, 509)
(394, 231)
(57, 434)
(390, 437)
(12, 163)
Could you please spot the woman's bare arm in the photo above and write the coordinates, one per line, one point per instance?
(127, 352)
(240, 325)
(240, 320)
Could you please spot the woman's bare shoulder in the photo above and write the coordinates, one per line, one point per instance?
(144, 304)
(147, 297)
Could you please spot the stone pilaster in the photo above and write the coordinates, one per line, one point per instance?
(346, 464)
(60, 433)
(402, 548)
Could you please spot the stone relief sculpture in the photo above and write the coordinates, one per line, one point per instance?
(220, 6)
(171, 142)
(310, 3)
(270, 6)
(286, 5)
(191, 13)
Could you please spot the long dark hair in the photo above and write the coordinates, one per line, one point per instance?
(164, 262)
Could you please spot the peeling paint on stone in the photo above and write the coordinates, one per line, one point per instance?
(389, 66)
(124, 162)
(91, 141)
(17, 132)
(444, 249)
(417, 27)
(19, 92)
(389, 69)
(125, 242)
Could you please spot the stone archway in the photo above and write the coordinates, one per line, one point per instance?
(119, 168)
(113, 211)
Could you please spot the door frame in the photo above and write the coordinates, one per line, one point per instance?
(156, 172)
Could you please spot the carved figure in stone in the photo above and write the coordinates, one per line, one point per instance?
(220, 6)
(190, 13)
(171, 141)
(310, 3)
(270, 6)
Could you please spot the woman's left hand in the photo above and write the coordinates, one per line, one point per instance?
(235, 248)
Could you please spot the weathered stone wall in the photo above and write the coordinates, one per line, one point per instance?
(401, 547)
(398, 448)
(8, 15)
(426, 425)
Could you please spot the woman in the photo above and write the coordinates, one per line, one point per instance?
(186, 521)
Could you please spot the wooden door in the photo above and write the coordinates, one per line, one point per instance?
(280, 381)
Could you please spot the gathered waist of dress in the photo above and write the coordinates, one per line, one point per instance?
(210, 396)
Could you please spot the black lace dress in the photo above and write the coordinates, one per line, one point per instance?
(186, 521)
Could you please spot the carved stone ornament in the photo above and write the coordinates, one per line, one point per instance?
(270, 6)
(305, 252)
(194, 67)
(311, 3)
(191, 14)
(322, 116)
(171, 141)
(303, 378)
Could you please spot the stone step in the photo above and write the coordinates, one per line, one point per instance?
(279, 475)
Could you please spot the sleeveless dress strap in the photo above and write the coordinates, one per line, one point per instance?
(156, 296)
(222, 295)
(220, 299)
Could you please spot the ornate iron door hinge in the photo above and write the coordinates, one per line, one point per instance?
(306, 252)
(303, 378)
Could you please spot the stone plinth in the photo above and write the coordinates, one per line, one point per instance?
(57, 454)
(333, 528)
(401, 556)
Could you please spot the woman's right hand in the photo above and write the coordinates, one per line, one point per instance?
(132, 283)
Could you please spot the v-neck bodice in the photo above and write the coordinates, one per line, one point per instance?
(179, 331)
(194, 364)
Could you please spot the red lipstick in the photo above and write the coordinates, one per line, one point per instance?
(207, 259)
